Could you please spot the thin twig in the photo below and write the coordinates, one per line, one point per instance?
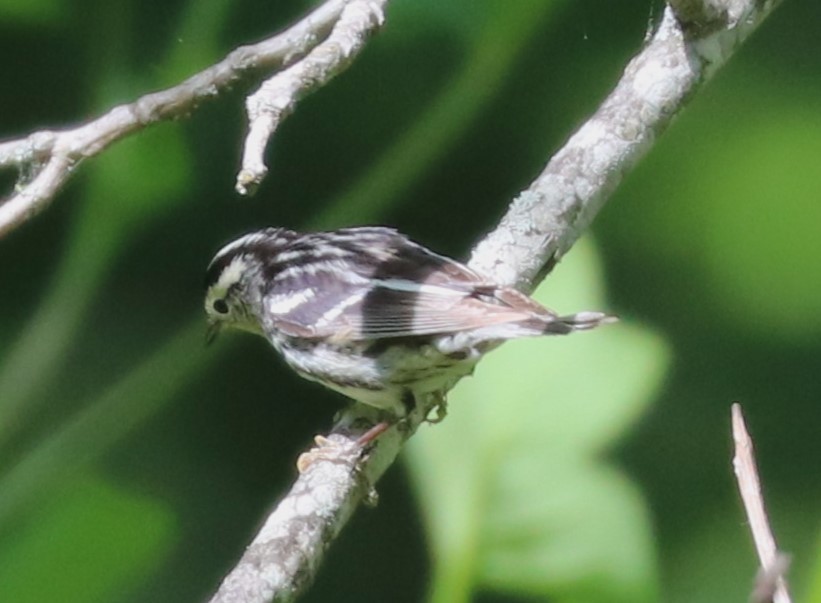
(541, 225)
(771, 585)
(277, 97)
(51, 156)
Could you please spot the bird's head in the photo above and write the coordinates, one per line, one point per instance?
(235, 281)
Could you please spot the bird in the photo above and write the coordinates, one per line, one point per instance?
(369, 313)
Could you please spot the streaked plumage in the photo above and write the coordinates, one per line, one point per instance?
(369, 313)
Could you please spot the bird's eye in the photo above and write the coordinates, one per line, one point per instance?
(220, 306)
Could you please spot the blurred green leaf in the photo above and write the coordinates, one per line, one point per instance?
(734, 207)
(107, 419)
(814, 591)
(108, 539)
(505, 32)
(763, 222)
(136, 181)
(133, 183)
(198, 40)
(580, 533)
(463, 18)
(514, 496)
(717, 560)
(32, 11)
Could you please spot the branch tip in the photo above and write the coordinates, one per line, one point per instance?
(49, 156)
(277, 97)
(770, 583)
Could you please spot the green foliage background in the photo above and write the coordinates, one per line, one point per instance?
(135, 463)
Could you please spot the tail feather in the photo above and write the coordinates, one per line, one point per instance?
(489, 336)
(581, 321)
(545, 321)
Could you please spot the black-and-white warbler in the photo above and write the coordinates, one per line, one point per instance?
(368, 312)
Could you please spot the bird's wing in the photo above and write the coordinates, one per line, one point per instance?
(373, 283)
(392, 308)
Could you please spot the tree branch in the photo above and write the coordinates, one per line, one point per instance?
(278, 96)
(770, 585)
(545, 220)
(539, 228)
(51, 156)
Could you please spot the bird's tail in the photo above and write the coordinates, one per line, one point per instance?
(581, 321)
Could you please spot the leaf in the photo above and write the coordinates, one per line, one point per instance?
(495, 48)
(30, 12)
(513, 490)
(108, 539)
(814, 589)
(747, 228)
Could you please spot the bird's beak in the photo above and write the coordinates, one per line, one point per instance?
(212, 332)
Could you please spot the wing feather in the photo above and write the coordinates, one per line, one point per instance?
(373, 283)
(383, 313)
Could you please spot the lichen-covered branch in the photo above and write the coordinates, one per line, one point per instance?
(277, 97)
(547, 218)
(285, 555)
(539, 228)
(47, 158)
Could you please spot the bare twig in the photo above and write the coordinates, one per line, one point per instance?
(539, 228)
(51, 156)
(278, 96)
(770, 585)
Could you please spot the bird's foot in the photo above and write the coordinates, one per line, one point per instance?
(337, 449)
(325, 449)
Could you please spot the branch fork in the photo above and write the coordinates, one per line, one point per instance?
(277, 97)
(319, 46)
